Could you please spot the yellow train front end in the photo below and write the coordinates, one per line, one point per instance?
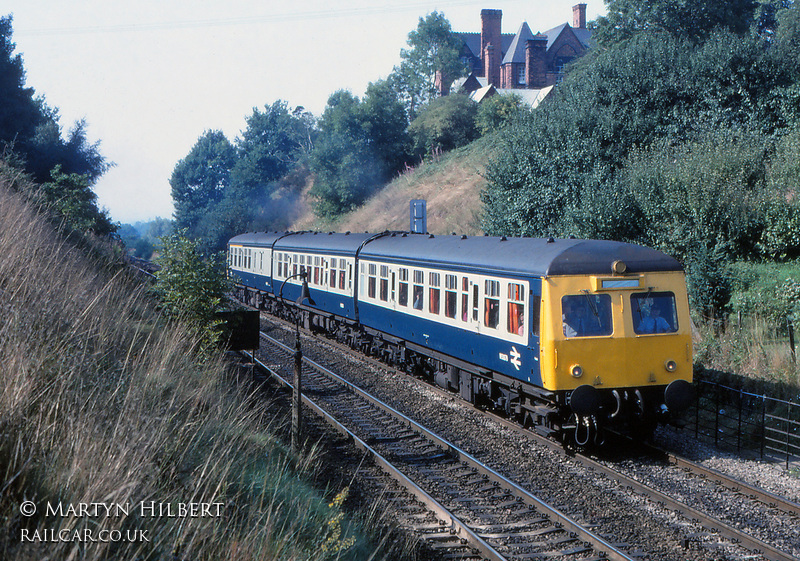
(617, 349)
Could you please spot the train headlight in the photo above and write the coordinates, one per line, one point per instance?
(671, 366)
(576, 371)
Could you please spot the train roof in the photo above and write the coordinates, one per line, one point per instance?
(537, 256)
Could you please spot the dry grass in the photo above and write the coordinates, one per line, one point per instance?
(451, 185)
(102, 402)
(750, 350)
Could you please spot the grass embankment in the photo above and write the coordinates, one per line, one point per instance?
(450, 183)
(106, 419)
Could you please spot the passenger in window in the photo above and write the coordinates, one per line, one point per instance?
(417, 297)
(652, 322)
(492, 316)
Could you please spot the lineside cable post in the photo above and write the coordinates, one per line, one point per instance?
(297, 395)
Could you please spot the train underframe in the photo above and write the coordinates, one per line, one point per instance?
(632, 411)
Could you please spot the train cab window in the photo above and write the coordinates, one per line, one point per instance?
(516, 309)
(491, 304)
(384, 291)
(434, 281)
(402, 295)
(586, 315)
(450, 295)
(654, 312)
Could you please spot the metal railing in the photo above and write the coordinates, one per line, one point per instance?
(745, 422)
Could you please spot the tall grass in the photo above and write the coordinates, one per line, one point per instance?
(102, 403)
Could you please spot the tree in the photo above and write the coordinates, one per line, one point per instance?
(433, 61)
(200, 179)
(269, 147)
(70, 196)
(688, 19)
(191, 286)
(497, 112)
(444, 124)
(30, 128)
(19, 112)
(360, 144)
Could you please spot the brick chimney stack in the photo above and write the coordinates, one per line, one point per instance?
(579, 16)
(535, 66)
(491, 35)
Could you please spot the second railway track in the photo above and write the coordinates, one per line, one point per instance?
(616, 513)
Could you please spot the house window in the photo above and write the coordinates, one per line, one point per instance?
(521, 75)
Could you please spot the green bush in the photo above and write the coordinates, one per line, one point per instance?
(444, 124)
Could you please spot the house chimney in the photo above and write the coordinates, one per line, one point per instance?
(579, 16)
(535, 67)
(490, 35)
(492, 68)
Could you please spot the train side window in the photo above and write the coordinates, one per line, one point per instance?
(516, 309)
(450, 295)
(586, 315)
(434, 281)
(371, 280)
(334, 261)
(491, 304)
(341, 277)
(474, 302)
(403, 290)
(384, 291)
(654, 312)
(419, 293)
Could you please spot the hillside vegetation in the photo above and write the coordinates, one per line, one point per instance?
(104, 403)
(450, 183)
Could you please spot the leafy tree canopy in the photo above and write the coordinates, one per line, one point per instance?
(434, 57)
(360, 144)
(690, 19)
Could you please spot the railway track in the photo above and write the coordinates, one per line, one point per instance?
(468, 509)
(452, 463)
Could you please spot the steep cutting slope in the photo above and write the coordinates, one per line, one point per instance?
(451, 185)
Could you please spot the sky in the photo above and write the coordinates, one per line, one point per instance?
(150, 77)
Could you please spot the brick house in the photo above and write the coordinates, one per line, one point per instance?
(525, 60)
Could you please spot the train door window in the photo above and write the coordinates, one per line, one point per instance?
(394, 279)
(654, 312)
(464, 298)
(586, 315)
(402, 296)
(475, 302)
(419, 293)
(333, 272)
(384, 284)
(516, 309)
(316, 270)
(536, 306)
(491, 304)
(434, 282)
(450, 295)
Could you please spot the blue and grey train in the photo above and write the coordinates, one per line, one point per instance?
(568, 336)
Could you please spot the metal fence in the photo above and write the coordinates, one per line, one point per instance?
(747, 423)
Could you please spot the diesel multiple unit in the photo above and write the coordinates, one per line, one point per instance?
(568, 336)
